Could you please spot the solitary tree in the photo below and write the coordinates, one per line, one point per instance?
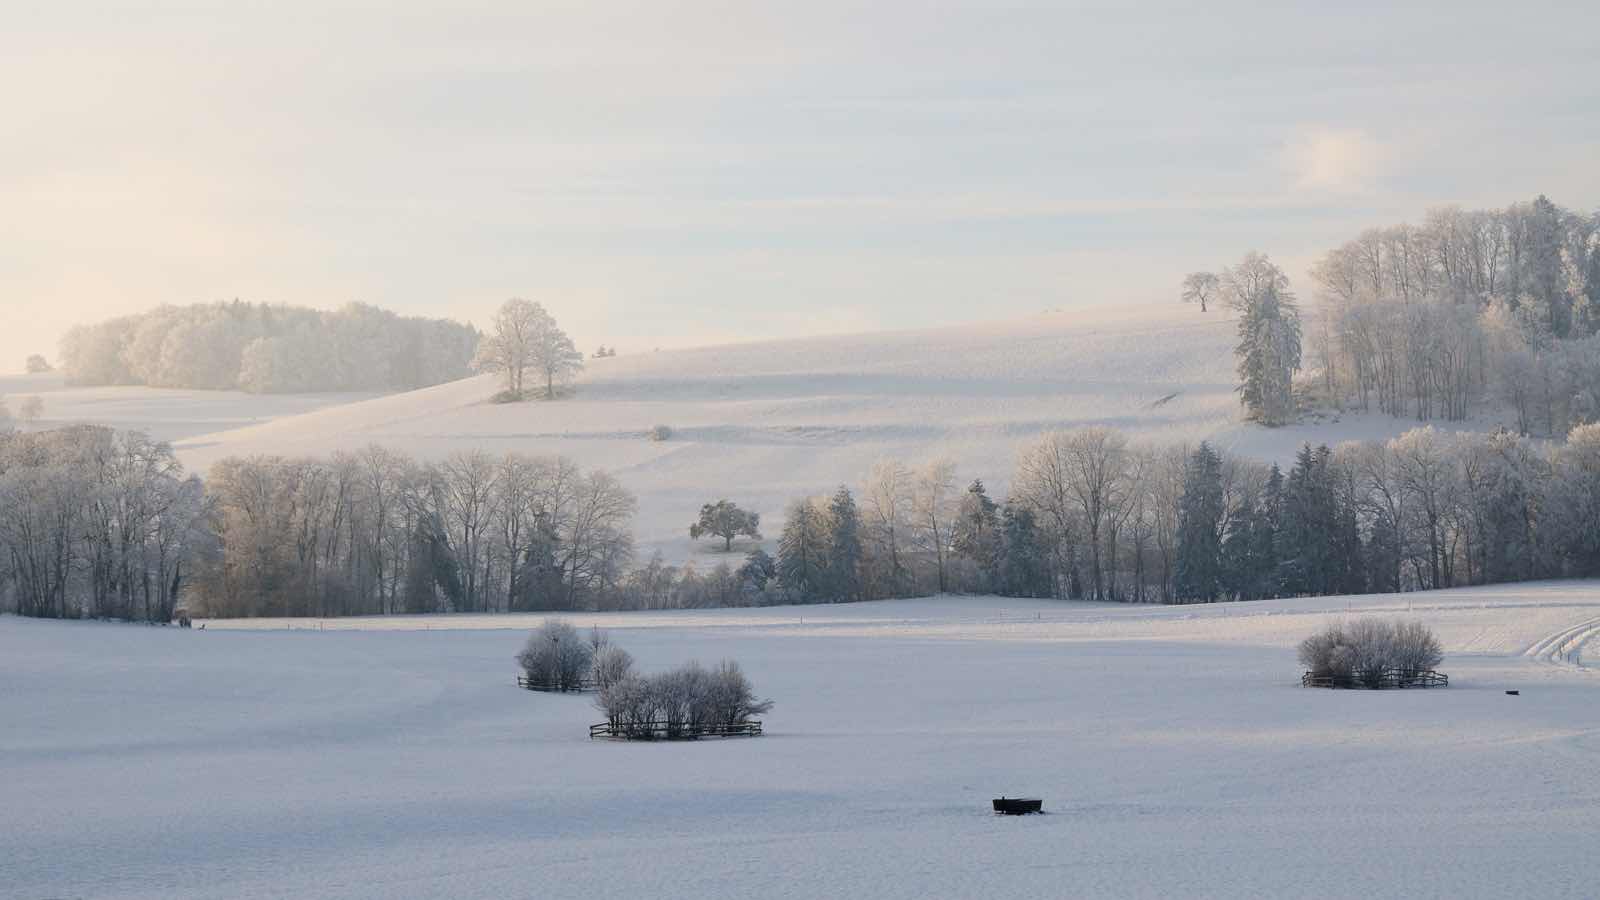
(724, 519)
(32, 409)
(37, 365)
(1199, 287)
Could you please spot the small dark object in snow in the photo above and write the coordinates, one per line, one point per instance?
(1017, 806)
(1514, 693)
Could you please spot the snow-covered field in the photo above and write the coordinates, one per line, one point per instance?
(169, 415)
(1175, 752)
(765, 423)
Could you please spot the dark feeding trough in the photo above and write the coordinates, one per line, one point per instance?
(1513, 693)
(1017, 806)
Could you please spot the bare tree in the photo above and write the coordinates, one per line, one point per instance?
(933, 509)
(1200, 287)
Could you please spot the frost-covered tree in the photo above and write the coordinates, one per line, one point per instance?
(37, 365)
(1198, 573)
(610, 665)
(1200, 287)
(269, 349)
(725, 519)
(933, 511)
(1025, 560)
(842, 571)
(558, 656)
(886, 518)
(976, 535)
(525, 336)
(1269, 338)
(803, 551)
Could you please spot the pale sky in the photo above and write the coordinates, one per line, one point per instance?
(668, 173)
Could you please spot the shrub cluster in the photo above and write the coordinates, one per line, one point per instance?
(1361, 652)
(683, 702)
(558, 657)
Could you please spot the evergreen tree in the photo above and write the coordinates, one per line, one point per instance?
(1200, 511)
(1024, 564)
(758, 571)
(843, 566)
(1269, 338)
(1381, 556)
(977, 535)
(802, 552)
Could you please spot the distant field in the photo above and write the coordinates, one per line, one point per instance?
(169, 415)
(1175, 752)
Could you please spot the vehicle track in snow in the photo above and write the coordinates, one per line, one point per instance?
(1563, 646)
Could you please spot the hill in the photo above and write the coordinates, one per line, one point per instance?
(763, 423)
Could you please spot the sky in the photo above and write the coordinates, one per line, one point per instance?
(670, 173)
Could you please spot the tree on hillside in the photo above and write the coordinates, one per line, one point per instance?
(1269, 338)
(525, 336)
(37, 365)
(724, 519)
(1199, 287)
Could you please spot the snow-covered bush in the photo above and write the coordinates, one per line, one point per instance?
(611, 665)
(682, 702)
(1413, 648)
(1361, 652)
(659, 433)
(557, 656)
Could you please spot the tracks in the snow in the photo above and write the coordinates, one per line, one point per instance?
(1564, 644)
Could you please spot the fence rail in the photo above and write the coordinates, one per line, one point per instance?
(1390, 678)
(552, 687)
(663, 731)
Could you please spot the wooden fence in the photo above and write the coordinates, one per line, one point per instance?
(663, 731)
(581, 685)
(1391, 678)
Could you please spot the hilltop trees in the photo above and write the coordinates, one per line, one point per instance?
(524, 337)
(724, 519)
(266, 348)
(1469, 307)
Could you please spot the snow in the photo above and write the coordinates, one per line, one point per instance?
(394, 758)
(799, 417)
(167, 414)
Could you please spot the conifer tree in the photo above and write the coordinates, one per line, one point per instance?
(977, 534)
(1200, 513)
(802, 551)
(843, 567)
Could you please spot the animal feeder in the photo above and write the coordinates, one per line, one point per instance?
(1017, 806)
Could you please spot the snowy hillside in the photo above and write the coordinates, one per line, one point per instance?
(166, 414)
(764, 423)
(1174, 750)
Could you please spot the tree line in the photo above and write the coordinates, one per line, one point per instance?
(269, 348)
(95, 522)
(1094, 516)
(1471, 311)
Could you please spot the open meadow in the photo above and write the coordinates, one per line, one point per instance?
(1174, 749)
